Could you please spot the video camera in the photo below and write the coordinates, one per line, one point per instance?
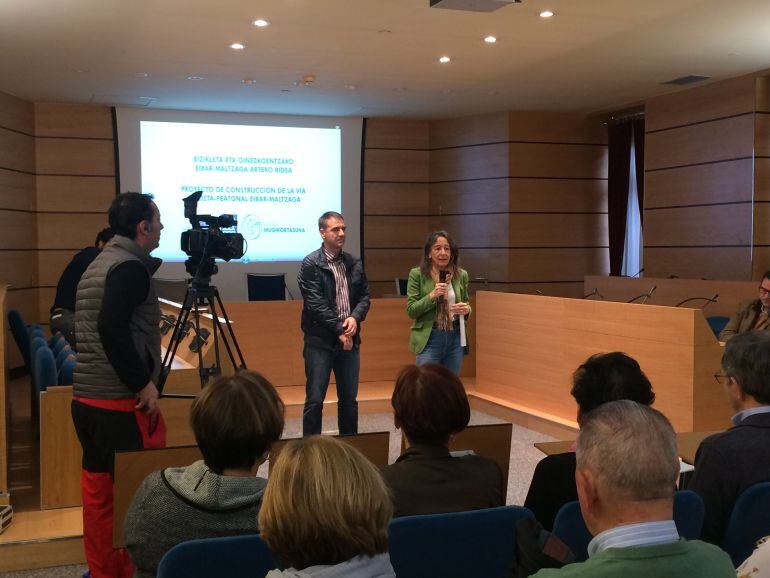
(206, 241)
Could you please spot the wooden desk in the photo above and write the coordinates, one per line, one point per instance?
(529, 346)
(687, 444)
(669, 292)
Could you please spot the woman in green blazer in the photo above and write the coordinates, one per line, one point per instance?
(436, 305)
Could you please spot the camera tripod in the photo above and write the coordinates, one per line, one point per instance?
(202, 298)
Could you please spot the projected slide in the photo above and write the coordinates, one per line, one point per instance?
(276, 180)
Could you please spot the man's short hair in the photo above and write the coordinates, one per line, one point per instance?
(323, 219)
(236, 420)
(747, 360)
(630, 449)
(128, 210)
(609, 377)
(325, 503)
(429, 403)
(104, 236)
(765, 276)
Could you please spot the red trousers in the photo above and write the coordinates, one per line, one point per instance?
(104, 426)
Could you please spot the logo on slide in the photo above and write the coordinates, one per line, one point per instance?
(250, 227)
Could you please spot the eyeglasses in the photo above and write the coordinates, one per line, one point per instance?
(763, 291)
(721, 378)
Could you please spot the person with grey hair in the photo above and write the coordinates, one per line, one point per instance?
(627, 467)
(728, 463)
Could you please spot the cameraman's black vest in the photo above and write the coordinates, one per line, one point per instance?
(94, 376)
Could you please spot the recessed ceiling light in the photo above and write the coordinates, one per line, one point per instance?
(444, 59)
(141, 74)
(285, 90)
(248, 81)
(261, 23)
(546, 14)
(384, 31)
(490, 39)
(351, 86)
(192, 77)
(237, 46)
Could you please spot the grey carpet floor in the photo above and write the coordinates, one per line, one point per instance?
(524, 457)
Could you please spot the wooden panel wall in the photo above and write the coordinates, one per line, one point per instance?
(761, 260)
(18, 226)
(525, 194)
(699, 156)
(57, 178)
(395, 199)
(75, 185)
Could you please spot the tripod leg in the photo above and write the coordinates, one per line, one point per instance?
(176, 337)
(232, 333)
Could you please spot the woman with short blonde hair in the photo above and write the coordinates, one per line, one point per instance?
(326, 511)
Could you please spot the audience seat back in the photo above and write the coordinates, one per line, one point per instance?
(45, 369)
(571, 529)
(233, 556)
(20, 333)
(67, 370)
(456, 545)
(749, 521)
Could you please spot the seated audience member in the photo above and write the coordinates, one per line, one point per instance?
(235, 421)
(63, 309)
(752, 314)
(430, 405)
(326, 512)
(627, 468)
(602, 378)
(758, 564)
(727, 463)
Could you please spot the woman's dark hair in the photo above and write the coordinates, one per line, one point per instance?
(454, 258)
(128, 210)
(236, 420)
(609, 377)
(430, 404)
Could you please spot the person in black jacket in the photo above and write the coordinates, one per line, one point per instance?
(63, 310)
(602, 378)
(727, 463)
(336, 301)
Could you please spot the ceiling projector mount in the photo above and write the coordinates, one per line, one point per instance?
(472, 5)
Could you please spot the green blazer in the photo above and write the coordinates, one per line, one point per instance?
(420, 308)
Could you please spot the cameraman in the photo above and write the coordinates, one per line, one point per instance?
(63, 310)
(115, 401)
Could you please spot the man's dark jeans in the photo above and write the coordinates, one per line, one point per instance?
(319, 363)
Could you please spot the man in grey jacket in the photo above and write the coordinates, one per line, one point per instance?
(114, 396)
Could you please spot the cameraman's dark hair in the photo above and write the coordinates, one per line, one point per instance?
(747, 360)
(326, 216)
(606, 377)
(104, 236)
(127, 211)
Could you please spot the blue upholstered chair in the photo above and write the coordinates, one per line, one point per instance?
(57, 342)
(234, 557)
(63, 354)
(749, 521)
(462, 544)
(45, 368)
(570, 527)
(717, 323)
(67, 370)
(20, 333)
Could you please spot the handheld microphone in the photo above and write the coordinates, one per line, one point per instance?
(442, 275)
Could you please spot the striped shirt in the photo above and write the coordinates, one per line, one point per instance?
(342, 297)
(628, 535)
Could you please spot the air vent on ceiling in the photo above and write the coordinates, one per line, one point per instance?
(472, 5)
(689, 79)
